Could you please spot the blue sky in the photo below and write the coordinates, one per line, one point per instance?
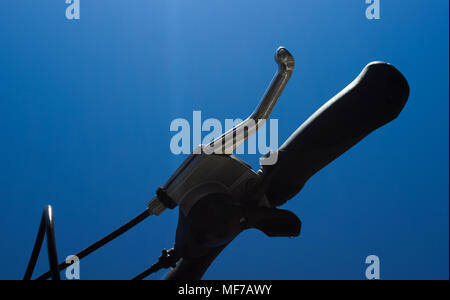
(86, 105)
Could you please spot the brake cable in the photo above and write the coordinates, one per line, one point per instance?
(168, 259)
(47, 227)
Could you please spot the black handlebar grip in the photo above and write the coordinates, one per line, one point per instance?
(373, 99)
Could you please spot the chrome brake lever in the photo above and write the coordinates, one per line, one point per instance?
(202, 173)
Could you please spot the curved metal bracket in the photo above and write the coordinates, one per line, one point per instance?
(47, 226)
